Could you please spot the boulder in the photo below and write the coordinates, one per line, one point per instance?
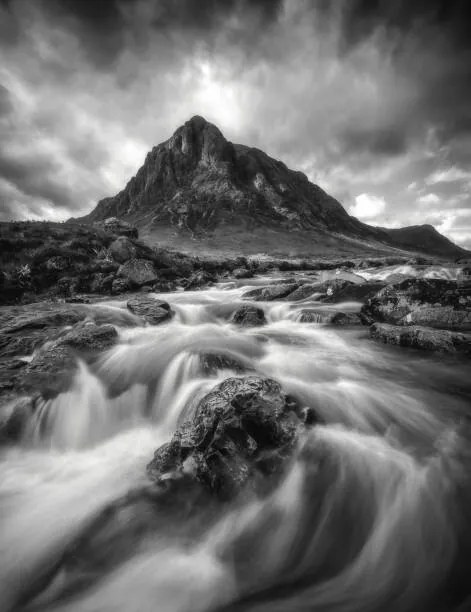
(15, 414)
(249, 316)
(270, 293)
(243, 431)
(303, 292)
(439, 303)
(101, 283)
(242, 273)
(123, 249)
(331, 317)
(120, 285)
(113, 225)
(90, 337)
(151, 310)
(199, 279)
(50, 372)
(138, 272)
(425, 338)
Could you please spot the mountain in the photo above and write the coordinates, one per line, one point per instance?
(198, 190)
(426, 239)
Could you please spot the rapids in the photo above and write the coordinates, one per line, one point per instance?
(372, 514)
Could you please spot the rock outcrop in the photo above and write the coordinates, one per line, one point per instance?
(242, 432)
(270, 293)
(433, 302)
(149, 309)
(249, 316)
(425, 338)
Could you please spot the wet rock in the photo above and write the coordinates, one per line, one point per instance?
(243, 431)
(330, 317)
(27, 332)
(15, 414)
(91, 337)
(120, 285)
(303, 292)
(101, 283)
(270, 293)
(443, 317)
(78, 299)
(249, 316)
(212, 363)
(425, 338)
(50, 372)
(42, 320)
(242, 273)
(199, 279)
(436, 302)
(138, 272)
(346, 318)
(150, 309)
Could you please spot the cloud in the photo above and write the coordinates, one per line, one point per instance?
(366, 97)
(430, 198)
(367, 206)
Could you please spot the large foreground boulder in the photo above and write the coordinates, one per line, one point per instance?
(149, 309)
(436, 303)
(270, 293)
(425, 338)
(249, 316)
(242, 431)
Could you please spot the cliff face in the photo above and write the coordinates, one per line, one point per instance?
(198, 180)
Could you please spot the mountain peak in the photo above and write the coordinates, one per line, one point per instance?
(199, 185)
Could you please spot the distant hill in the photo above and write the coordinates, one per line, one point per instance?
(426, 239)
(199, 191)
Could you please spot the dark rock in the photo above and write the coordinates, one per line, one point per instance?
(120, 285)
(212, 363)
(425, 338)
(243, 431)
(42, 320)
(435, 302)
(14, 417)
(269, 293)
(101, 283)
(151, 310)
(138, 272)
(346, 318)
(91, 337)
(199, 279)
(78, 299)
(242, 273)
(249, 316)
(119, 227)
(50, 372)
(303, 292)
(123, 249)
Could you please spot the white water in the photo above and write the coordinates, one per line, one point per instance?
(372, 514)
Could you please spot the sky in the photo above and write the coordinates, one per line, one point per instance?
(370, 98)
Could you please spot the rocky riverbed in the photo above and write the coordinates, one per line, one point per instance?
(261, 434)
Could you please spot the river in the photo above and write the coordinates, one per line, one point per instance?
(372, 514)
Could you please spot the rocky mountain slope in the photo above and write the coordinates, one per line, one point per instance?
(197, 188)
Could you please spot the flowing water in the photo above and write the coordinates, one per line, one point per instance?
(372, 513)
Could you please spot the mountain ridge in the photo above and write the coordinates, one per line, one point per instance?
(198, 187)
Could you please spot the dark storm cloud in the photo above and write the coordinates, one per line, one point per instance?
(368, 97)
